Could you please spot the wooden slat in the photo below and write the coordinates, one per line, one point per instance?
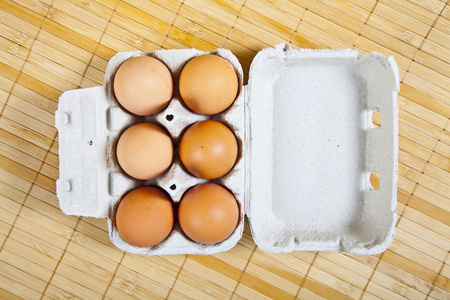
(99, 249)
(327, 26)
(59, 57)
(412, 9)
(18, 289)
(252, 287)
(46, 182)
(224, 11)
(11, 22)
(225, 272)
(22, 262)
(382, 287)
(28, 255)
(12, 193)
(102, 276)
(96, 284)
(101, 8)
(410, 24)
(99, 223)
(51, 75)
(117, 293)
(216, 277)
(53, 292)
(92, 257)
(128, 39)
(43, 233)
(138, 286)
(348, 15)
(196, 286)
(422, 98)
(443, 149)
(17, 155)
(237, 259)
(413, 254)
(340, 287)
(156, 269)
(7, 295)
(188, 39)
(344, 268)
(246, 38)
(439, 293)
(268, 270)
(143, 17)
(13, 54)
(32, 14)
(94, 233)
(432, 197)
(9, 75)
(435, 50)
(73, 287)
(9, 178)
(125, 22)
(68, 34)
(216, 25)
(440, 161)
(284, 31)
(57, 42)
(33, 126)
(16, 36)
(17, 169)
(323, 290)
(397, 274)
(199, 31)
(155, 9)
(435, 185)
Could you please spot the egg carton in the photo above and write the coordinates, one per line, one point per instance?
(307, 146)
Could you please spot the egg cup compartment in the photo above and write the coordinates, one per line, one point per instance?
(93, 108)
(305, 149)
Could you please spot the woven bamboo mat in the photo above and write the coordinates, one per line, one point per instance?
(51, 46)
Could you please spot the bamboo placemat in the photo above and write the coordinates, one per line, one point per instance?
(51, 46)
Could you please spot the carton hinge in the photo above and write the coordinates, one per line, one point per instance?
(246, 150)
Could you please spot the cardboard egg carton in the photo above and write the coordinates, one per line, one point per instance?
(307, 146)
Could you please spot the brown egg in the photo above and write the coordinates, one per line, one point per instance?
(208, 84)
(145, 216)
(144, 151)
(143, 85)
(208, 213)
(208, 149)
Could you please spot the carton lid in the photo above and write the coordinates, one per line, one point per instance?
(312, 146)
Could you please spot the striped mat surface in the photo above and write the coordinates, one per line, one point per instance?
(51, 46)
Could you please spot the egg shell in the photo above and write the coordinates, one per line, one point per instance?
(208, 84)
(144, 151)
(143, 85)
(306, 148)
(208, 149)
(208, 213)
(145, 216)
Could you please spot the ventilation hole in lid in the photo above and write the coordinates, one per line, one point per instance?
(376, 119)
(374, 181)
(173, 187)
(169, 117)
